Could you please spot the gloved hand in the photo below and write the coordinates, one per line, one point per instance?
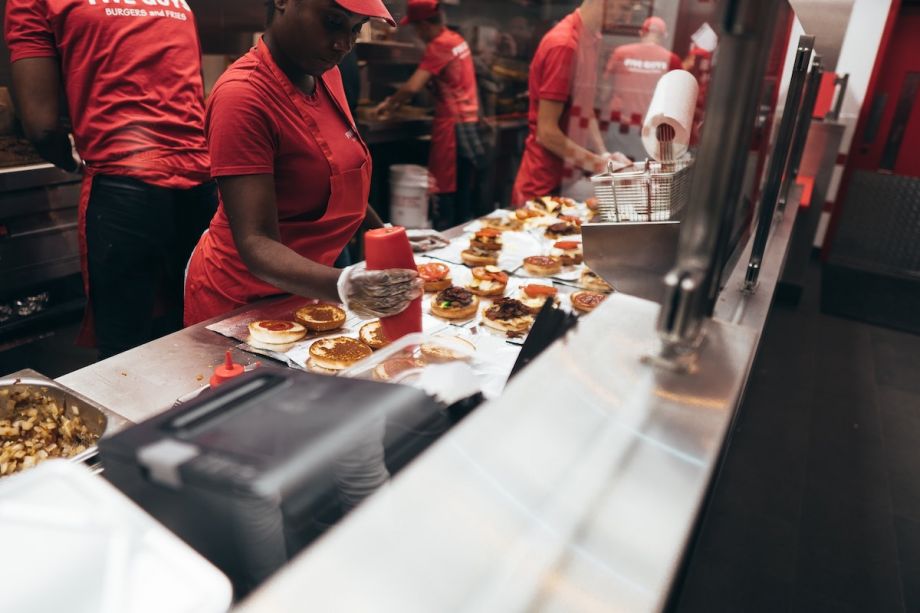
(425, 240)
(378, 293)
(615, 161)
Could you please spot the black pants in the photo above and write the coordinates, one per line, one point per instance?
(139, 238)
(456, 207)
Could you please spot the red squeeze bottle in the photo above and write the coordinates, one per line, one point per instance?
(389, 248)
(226, 371)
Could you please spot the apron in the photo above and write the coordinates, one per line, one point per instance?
(218, 280)
(442, 160)
(87, 335)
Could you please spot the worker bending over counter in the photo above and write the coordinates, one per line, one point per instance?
(294, 174)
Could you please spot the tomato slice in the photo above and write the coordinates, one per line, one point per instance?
(567, 245)
(489, 232)
(534, 290)
(483, 273)
(433, 271)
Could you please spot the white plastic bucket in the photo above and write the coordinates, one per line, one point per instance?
(409, 196)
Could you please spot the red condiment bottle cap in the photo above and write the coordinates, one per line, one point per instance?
(226, 371)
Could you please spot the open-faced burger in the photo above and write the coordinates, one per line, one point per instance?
(568, 252)
(508, 315)
(488, 281)
(435, 275)
(561, 229)
(534, 295)
(454, 303)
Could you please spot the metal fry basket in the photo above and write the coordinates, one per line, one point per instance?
(649, 191)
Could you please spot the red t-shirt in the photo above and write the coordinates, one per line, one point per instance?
(551, 72)
(253, 127)
(633, 72)
(132, 77)
(448, 58)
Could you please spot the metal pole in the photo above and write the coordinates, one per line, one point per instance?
(802, 126)
(774, 179)
(719, 168)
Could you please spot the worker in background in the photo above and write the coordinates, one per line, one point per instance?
(456, 146)
(133, 85)
(630, 78)
(564, 142)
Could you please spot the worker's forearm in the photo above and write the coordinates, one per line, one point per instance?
(372, 220)
(597, 141)
(402, 95)
(579, 157)
(274, 263)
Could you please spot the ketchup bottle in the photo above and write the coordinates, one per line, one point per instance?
(389, 248)
(226, 371)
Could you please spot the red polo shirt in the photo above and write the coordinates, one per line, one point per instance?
(551, 72)
(448, 58)
(132, 77)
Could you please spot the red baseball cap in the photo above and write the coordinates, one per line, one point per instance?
(420, 10)
(369, 8)
(655, 24)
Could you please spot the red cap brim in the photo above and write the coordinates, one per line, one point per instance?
(374, 9)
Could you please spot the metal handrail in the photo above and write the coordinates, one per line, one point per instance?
(802, 126)
(776, 170)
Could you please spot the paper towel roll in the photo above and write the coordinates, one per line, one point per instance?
(672, 105)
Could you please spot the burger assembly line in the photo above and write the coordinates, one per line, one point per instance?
(247, 216)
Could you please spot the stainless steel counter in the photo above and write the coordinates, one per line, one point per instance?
(577, 490)
(147, 380)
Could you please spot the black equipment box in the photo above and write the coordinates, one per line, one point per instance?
(250, 473)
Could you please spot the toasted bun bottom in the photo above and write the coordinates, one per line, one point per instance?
(437, 286)
(273, 337)
(320, 355)
(543, 271)
(304, 318)
(394, 367)
(471, 259)
(312, 366)
(455, 313)
(437, 353)
(371, 333)
(518, 324)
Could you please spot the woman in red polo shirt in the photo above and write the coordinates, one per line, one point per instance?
(293, 173)
(132, 80)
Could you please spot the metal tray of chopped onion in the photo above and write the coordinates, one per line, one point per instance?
(41, 419)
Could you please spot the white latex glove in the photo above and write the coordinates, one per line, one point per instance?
(425, 240)
(378, 293)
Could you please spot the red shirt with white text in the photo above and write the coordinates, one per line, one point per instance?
(132, 77)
